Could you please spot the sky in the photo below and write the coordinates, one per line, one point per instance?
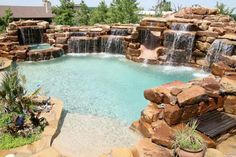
(146, 4)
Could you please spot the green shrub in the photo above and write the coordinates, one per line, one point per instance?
(188, 138)
(7, 141)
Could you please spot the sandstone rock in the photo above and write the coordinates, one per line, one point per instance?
(202, 108)
(210, 39)
(202, 46)
(44, 24)
(175, 91)
(61, 40)
(207, 33)
(227, 147)
(228, 36)
(163, 134)
(47, 152)
(213, 153)
(172, 114)
(134, 52)
(228, 84)
(152, 96)
(121, 152)
(219, 30)
(230, 104)
(229, 60)
(191, 95)
(146, 129)
(199, 10)
(145, 148)
(211, 86)
(150, 113)
(189, 112)
(134, 45)
(219, 69)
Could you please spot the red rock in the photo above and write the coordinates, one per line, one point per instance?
(172, 114)
(152, 96)
(61, 40)
(145, 148)
(212, 104)
(191, 95)
(207, 33)
(211, 86)
(146, 129)
(189, 112)
(150, 113)
(219, 69)
(202, 108)
(134, 45)
(163, 134)
(134, 52)
(220, 102)
(230, 104)
(228, 84)
(229, 60)
(175, 91)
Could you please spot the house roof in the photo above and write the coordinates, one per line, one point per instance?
(27, 11)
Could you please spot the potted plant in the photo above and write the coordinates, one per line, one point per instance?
(188, 143)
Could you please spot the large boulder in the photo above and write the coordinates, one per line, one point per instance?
(192, 95)
(228, 85)
(230, 104)
(163, 134)
(145, 148)
(172, 114)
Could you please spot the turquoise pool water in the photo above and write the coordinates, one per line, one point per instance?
(40, 46)
(102, 85)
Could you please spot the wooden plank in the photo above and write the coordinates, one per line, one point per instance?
(214, 124)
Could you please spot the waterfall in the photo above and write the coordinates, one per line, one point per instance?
(218, 48)
(30, 35)
(108, 44)
(149, 39)
(119, 32)
(179, 43)
(112, 44)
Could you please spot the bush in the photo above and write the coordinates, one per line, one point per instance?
(7, 141)
(188, 138)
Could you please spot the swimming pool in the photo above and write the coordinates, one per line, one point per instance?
(105, 86)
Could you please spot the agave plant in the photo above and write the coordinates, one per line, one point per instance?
(12, 91)
(188, 138)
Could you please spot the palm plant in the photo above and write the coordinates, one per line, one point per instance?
(12, 91)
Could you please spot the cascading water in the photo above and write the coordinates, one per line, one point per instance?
(179, 42)
(112, 44)
(119, 32)
(218, 48)
(108, 44)
(30, 35)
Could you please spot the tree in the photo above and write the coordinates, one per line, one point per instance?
(161, 6)
(65, 13)
(123, 11)
(83, 14)
(99, 14)
(224, 10)
(6, 19)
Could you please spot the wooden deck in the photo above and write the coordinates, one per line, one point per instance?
(214, 124)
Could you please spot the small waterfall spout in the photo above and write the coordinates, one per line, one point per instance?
(112, 44)
(83, 45)
(218, 48)
(119, 32)
(30, 35)
(179, 43)
(108, 44)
